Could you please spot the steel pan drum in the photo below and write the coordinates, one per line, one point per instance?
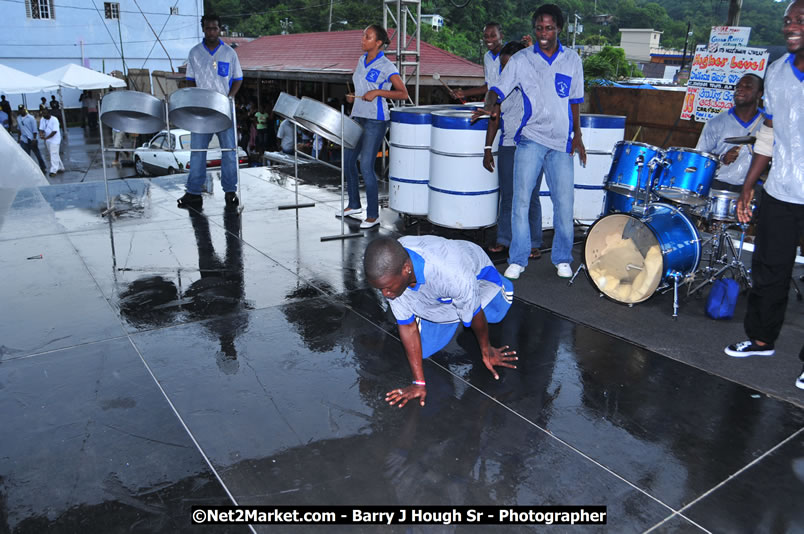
(133, 112)
(326, 122)
(286, 106)
(200, 110)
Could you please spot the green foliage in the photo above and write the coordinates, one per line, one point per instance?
(609, 64)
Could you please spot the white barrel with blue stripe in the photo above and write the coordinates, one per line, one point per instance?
(409, 160)
(599, 133)
(463, 194)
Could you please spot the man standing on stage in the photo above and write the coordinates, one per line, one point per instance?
(781, 214)
(550, 77)
(744, 119)
(212, 64)
(432, 284)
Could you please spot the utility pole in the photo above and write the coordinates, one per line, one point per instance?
(329, 27)
(735, 6)
(684, 55)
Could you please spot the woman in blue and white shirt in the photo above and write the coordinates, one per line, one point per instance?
(375, 79)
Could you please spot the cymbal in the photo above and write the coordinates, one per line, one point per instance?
(741, 140)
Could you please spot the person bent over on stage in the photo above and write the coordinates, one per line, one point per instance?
(781, 213)
(432, 284)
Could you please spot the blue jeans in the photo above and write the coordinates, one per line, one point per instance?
(365, 150)
(32, 145)
(505, 171)
(198, 162)
(531, 158)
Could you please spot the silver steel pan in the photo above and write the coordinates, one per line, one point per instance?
(326, 122)
(286, 106)
(200, 110)
(133, 112)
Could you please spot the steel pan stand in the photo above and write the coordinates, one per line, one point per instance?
(296, 177)
(342, 235)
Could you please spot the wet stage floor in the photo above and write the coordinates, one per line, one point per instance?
(168, 358)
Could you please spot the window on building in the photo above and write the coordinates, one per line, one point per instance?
(39, 9)
(111, 10)
(174, 10)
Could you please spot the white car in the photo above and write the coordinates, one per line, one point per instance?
(156, 158)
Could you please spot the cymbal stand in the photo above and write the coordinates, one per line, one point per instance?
(724, 256)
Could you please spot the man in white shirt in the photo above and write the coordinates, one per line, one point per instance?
(780, 221)
(285, 135)
(493, 39)
(212, 64)
(49, 130)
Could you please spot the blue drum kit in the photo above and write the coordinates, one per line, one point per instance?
(647, 240)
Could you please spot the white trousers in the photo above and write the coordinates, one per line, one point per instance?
(55, 160)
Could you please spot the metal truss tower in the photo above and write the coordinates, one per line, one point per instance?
(406, 55)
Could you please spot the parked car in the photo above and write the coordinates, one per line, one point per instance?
(156, 158)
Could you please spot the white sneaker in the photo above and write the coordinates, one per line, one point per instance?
(370, 224)
(350, 212)
(564, 270)
(800, 381)
(513, 271)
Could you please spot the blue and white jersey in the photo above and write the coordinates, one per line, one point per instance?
(512, 118)
(214, 69)
(718, 128)
(549, 86)
(454, 280)
(375, 74)
(784, 104)
(491, 68)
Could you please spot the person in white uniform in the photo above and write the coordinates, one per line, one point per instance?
(432, 284)
(743, 119)
(49, 130)
(375, 79)
(493, 39)
(780, 222)
(212, 64)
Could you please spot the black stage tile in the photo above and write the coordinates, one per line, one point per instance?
(677, 525)
(670, 429)
(766, 498)
(194, 269)
(50, 302)
(294, 413)
(91, 445)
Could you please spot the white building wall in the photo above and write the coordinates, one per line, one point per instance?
(79, 33)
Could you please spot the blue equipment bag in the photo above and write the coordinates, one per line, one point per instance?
(722, 299)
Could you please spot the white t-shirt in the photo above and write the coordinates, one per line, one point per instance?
(48, 126)
(491, 68)
(285, 134)
(214, 69)
(369, 76)
(784, 104)
(724, 125)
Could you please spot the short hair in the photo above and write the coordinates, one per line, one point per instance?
(552, 10)
(380, 33)
(493, 24)
(384, 256)
(209, 18)
(511, 48)
(760, 81)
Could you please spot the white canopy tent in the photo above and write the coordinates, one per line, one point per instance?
(13, 81)
(77, 77)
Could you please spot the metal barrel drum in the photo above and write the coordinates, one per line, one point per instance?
(133, 112)
(286, 106)
(409, 159)
(462, 193)
(600, 134)
(200, 110)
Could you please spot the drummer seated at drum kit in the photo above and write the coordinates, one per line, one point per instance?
(730, 135)
(212, 64)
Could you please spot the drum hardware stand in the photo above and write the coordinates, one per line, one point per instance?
(675, 275)
(581, 267)
(720, 256)
(296, 177)
(342, 235)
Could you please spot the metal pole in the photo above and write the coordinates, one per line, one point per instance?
(342, 234)
(64, 117)
(238, 188)
(295, 177)
(109, 208)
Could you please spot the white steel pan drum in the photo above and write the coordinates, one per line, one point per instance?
(326, 122)
(628, 258)
(200, 110)
(463, 194)
(133, 112)
(286, 106)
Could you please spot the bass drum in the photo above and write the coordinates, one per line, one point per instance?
(628, 257)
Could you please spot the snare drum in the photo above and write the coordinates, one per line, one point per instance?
(625, 177)
(628, 257)
(723, 205)
(686, 176)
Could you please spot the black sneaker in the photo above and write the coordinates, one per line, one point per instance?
(744, 349)
(231, 199)
(190, 200)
